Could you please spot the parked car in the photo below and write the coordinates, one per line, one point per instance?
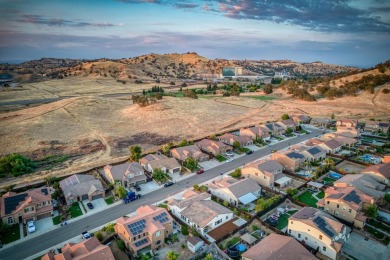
(249, 152)
(229, 160)
(200, 171)
(90, 205)
(168, 183)
(230, 154)
(30, 226)
(85, 235)
(130, 196)
(137, 188)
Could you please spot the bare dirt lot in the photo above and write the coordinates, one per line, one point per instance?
(94, 130)
(350, 167)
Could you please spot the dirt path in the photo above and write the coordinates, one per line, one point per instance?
(378, 107)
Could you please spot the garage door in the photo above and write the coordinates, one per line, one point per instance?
(176, 170)
(97, 197)
(45, 215)
(84, 197)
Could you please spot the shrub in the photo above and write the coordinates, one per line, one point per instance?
(16, 164)
(184, 230)
(121, 244)
(236, 173)
(385, 91)
(99, 236)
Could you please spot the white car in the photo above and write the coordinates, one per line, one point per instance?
(30, 227)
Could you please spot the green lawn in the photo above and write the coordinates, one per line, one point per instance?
(56, 220)
(283, 219)
(220, 158)
(321, 195)
(372, 231)
(75, 211)
(329, 181)
(165, 206)
(379, 225)
(11, 234)
(260, 97)
(109, 200)
(308, 199)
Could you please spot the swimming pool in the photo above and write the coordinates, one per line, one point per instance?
(370, 158)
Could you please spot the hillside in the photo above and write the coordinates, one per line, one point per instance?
(163, 67)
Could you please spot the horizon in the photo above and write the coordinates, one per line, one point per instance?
(350, 33)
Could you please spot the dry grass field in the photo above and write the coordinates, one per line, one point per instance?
(95, 130)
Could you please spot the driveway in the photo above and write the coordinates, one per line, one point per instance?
(253, 147)
(42, 226)
(148, 187)
(209, 164)
(357, 247)
(98, 205)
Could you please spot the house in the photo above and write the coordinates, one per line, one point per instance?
(199, 211)
(191, 151)
(346, 141)
(234, 191)
(346, 203)
(346, 123)
(81, 187)
(314, 142)
(290, 160)
(380, 172)
(277, 246)
(127, 174)
(313, 153)
(365, 183)
(377, 127)
(146, 230)
(25, 206)
(256, 132)
(85, 250)
(301, 119)
(266, 173)
(213, 147)
(194, 243)
(229, 139)
(321, 122)
(347, 132)
(331, 146)
(274, 129)
(288, 123)
(151, 162)
(319, 230)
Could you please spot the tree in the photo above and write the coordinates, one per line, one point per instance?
(184, 230)
(135, 153)
(225, 203)
(236, 145)
(292, 192)
(213, 137)
(268, 89)
(183, 142)
(121, 244)
(16, 164)
(120, 191)
(285, 117)
(372, 211)
(99, 236)
(387, 197)
(329, 161)
(236, 173)
(190, 163)
(159, 175)
(209, 256)
(289, 131)
(167, 148)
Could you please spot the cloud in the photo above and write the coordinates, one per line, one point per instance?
(41, 20)
(324, 15)
(186, 6)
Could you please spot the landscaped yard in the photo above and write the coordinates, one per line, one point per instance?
(220, 158)
(283, 219)
(379, 225)
(109, 200)
(56, 220)
(321, 195)
(329, 181)
(308, 199)
(11, 234)
(75, 211)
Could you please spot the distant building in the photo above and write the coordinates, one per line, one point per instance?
(213, 147)
(229, 139)
(127, 174)
(380, 172)
(377, 127)
(365, 183)
(231, 71)
(151, 162)
(289, 159)
(256, 132)
(191, 151)
(80, 187)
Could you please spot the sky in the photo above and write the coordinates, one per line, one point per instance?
(344, 32)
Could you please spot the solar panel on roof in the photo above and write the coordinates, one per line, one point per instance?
(11, 203)
(44, 191)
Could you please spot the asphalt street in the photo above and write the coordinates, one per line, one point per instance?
(54, 237)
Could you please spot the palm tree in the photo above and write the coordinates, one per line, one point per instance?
(329, 161)
(209, 257)
(172, 255)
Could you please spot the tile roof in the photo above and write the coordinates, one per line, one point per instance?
(277, 246)
(332, 144)
(270, 166)
(193, 240)
(169, 163)
(211, 145)
(78, 185)
(124, 169)
(382, 169)
(351, 196)
(237, 187)
(364, 183)
(184, 152)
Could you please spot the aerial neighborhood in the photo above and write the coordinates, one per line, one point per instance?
(295, 188)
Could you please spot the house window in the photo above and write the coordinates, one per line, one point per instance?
(299, 235)
(305, 238)
(139, 236)
(256, 174)
(320, 237)
(292, 222)
(344, 208)
(337, 213)
(265, 177)
(134, 238)
(10, 220)
(217, 222)
(338, 206)
(327, 202)
(157, 234)
(227, 217)
(289, 231)
(158, 242)
(324, 248)
(350, 210)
